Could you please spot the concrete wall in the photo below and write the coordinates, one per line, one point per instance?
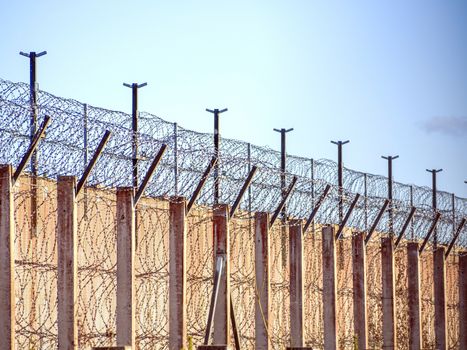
(36, 276)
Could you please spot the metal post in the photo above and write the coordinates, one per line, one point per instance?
(412, 226)
(340, 181)
(434, 204)
(175, 159)
(283, 166)
(390, 211)
(217, 136)
(134, 126)
(85, 134)
(249, 187)
(340, 184)
(312, 170)
(365, 184)
(453, 206)
(283, 212)
(33, 87)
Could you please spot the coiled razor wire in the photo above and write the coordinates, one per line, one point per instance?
(77, 128)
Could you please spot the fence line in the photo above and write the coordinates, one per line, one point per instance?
(77, 128)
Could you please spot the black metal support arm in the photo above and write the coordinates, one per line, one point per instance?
(32, 147)
(316, 208)
(201, 184)
(149, 173)
(430, 231)
(243, 190)
(284, 199)
(93, 161)
(453, 241)
(378, 218)
(404, 228)
(347, 216)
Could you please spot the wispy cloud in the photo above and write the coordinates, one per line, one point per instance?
(453, 126)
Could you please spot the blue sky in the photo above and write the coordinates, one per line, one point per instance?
(391, 76)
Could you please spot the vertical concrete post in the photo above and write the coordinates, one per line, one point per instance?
(222, 247)
(177, 275)
(329, 288)
(296, 283)
(7, 259)
(359, 289)
(439, 268)
(413, 276)
(67, 281)
(388, 286)
(125, 267)
(462, 301)
(263, 285)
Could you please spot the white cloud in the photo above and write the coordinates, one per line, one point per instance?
(454, 126)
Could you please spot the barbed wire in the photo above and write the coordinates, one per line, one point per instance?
(77, 128)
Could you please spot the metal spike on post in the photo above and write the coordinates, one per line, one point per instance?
(434, 202)
(390, 182)
(33, 88)
(217, 137)
(340, 181)
(134, 126)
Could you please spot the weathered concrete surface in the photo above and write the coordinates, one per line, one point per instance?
(296, 284)
(177, 277)
(329, 288)
(439, 267)
(7, 259)
(413, 274)
(67, 280)
(388, 289)
(221, 323)
(359, 289)
(125, 267)
(263, 286)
